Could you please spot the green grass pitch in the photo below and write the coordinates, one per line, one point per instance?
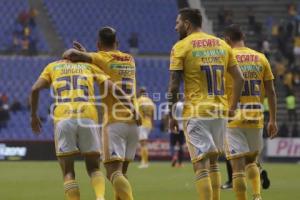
(43, 181)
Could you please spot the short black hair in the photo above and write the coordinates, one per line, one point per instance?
(192, 15)
(143, 90)
(107, 36)
(234, 32)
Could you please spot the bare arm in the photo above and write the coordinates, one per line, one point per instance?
(77, 56)
(238, 83)
(174, 85)
(35, 91)
(173, 90)
(272, 101)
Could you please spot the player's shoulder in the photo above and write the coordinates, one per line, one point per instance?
(121, 56)
(180, 44)
(144, 99)
(148, 99)
(260, 55)
(57, 63)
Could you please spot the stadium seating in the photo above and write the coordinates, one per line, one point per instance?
(17, 74)
(153, 20)
(261, 9)
(9, 14)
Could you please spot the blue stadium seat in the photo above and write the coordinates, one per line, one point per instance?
(81, 21)
(9, 13)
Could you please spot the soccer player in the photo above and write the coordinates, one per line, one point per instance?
(75, 119)
(265, 181)
(203, 60)
(245, 131)
(146, 111)
(177, 137)
(120, 131)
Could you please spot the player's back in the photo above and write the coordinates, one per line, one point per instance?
(121, 69)
(204, 60)
(256, 69)
(146, 109)
(72, 89)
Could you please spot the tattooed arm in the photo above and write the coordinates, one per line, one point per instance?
(173, 91)
(77, 56)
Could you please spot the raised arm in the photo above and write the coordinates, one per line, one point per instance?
(34, 101)
(238, 83)
(77, 56)
(272, 101)
(174, 85)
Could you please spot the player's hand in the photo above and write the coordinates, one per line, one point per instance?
(36, 125)
(67, 53)
(272, 129)
(77, 45)
(231, 114)
(173, 125)
(137, 118)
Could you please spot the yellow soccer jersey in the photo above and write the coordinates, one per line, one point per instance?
(73, 89)
(256, 69)
(146, 109)
(121, 69)
(204, 59)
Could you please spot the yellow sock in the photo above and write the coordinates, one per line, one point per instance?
(254, 176)
(239, 185)
(121, 186)
(215, 177)
(71, 190)
(98, 183)
(203, 185)
(144, 155)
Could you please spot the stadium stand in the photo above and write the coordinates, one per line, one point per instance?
(127, 16)
(9, 23)
(240, 11)
(17, 76)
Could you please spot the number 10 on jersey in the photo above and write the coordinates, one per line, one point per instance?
(215, 79)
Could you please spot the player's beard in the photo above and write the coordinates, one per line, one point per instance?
(182, 34)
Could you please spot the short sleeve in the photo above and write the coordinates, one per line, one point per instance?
(231, 58)
(99, 75)
(268, 75)
(46, 74)
(177, 56)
